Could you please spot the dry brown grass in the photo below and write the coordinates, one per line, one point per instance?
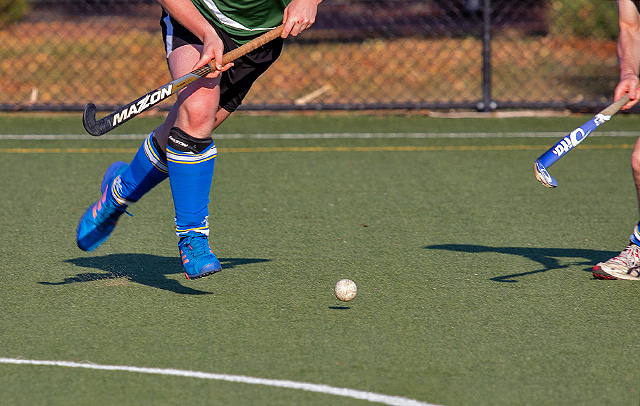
(112, 61)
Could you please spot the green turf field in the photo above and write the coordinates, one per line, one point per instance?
(474, 283)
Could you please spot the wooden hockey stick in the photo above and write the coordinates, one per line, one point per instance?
(125, 113)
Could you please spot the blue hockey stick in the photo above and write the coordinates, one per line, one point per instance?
(542, 164)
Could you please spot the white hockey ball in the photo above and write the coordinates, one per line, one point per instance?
(345, 290)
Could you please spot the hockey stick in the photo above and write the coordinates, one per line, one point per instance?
(125, 113)
(553, 154)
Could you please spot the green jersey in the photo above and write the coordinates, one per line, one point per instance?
(243, 19)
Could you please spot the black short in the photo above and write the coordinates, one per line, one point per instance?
(235, 82)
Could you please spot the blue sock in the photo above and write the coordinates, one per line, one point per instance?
(147, 169)
(635, 236)
(190, 161)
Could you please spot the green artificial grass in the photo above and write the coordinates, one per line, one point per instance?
(474, 283)
(244, 122)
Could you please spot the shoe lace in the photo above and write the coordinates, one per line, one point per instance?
(109, 214)
(630, 256)
(198, 245)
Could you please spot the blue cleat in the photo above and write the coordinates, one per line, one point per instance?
(97, 223)
(197, 258)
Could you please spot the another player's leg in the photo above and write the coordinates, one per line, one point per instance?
(122, 185)
(626, 265)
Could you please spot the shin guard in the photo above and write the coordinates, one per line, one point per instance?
(190, 161)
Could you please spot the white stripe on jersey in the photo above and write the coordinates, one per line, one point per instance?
(227, 20)
(169, 38)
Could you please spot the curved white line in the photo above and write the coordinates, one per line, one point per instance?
(310, 387)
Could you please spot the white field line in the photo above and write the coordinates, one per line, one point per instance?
(310, 387)
(221, 136)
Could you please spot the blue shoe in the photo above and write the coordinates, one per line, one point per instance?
(97, 223)
(197, 258)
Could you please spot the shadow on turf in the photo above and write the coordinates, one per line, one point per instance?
(149, 270)
(547, 257)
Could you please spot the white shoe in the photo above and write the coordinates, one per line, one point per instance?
(624, 266)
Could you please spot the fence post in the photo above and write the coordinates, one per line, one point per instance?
(486, 104)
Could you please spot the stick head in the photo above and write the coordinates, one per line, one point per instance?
(93, 127)
(543, 176)
(89, 119)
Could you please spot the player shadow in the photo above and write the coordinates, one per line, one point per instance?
(549, 258)
(145, 269)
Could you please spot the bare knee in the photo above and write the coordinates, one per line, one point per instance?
(196, 114)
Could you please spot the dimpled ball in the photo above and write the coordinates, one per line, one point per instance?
(345, 290)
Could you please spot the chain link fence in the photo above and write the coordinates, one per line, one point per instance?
(361, 54)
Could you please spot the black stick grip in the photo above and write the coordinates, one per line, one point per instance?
(92, 126)
(125, 113)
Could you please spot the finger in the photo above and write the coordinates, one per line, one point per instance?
(620, 90)
(204, 59)
(218, 72)
(295, 31)
(630, 104)
(627, 105)
(633, 99)
(629, 88)
(287, 29)
(225, 67)
(215, 64)
(288, 23)
(216, 57)
(305, 24)
(298, 27)
(302, 27)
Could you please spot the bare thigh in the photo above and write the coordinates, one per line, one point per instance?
(195, 110)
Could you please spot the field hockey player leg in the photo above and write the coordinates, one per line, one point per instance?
(191, 163)
(122, 185)
(627, 264)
